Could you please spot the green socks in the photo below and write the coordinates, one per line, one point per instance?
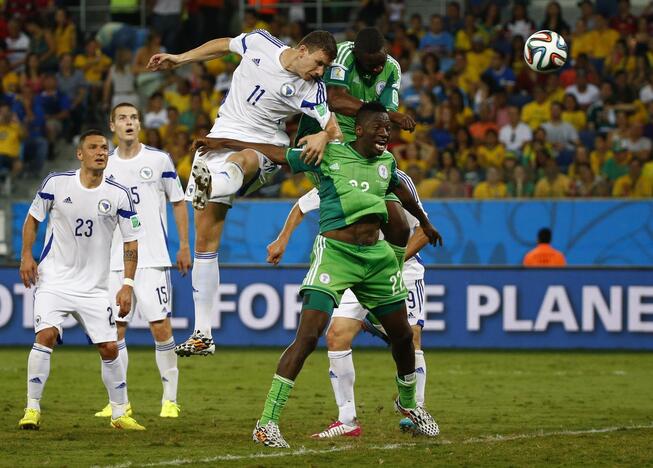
(277, 398)
(406, 387)
(400, 252)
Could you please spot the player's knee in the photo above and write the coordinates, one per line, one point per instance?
(47, 337)
(108, 350)
(337, 339)
(307, 343)
(161, 330)
(403, 337)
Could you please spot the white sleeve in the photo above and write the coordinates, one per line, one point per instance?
(314, 103)
(128, 222)
(309, 201)
(170, 181)
(259, 41)
(411, 186)
(236, 44)
(43, 200)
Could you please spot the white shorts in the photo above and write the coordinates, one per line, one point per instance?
(215, 161)
(152, 298)
(95, 314)
(351, 308)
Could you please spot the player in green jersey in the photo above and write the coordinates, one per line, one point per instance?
(353, 181)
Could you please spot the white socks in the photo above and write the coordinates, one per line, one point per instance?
(206, 281)
(123, 355)
(228, 181)
(38, 370)
(420, 372)
(343, 375)
(114, 378)
(166, 360)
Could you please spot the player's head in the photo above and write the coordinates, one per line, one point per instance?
(125, 122)
(93, 150)
(372, 129)
(544, 236)
(369, 52)
(316, 51)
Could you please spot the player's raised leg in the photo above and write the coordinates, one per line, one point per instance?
(209, 224)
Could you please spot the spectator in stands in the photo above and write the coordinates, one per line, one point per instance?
(210, 96)
(189, 117)
(42, 44)
(604, 39)
(10, 79)
(543, 255)
(573, 114)
(453, 186)
(584, 92)
(65, 33)
(478, 60)
(56, 106)
(624, 92)
(619, 59)
(616, 166)
(562, 135)
(637, 145)
(584, 182)
(553, 19)
(492, 187)
(94, 64)
(17, 44)
(178, 95)
(11, 137)
(633, 184)
(624, 22)
(426, 187)
(473, 173)
(500, 75)
(520, 185)
(119, 85)
(600, 154)
(600, 115)
(166, 20)
(491, 153)
(535, 113)
(415, 153)
(71, 82)
(31, 75)
(516, 133)
(169, 130)
(464, 36)
(147, 82)
(490, 26)
(156, 115)
(410, 94)
(446, 161)
(581, 40)
(587, 14)
(484, 123)
(453, 20)
(437, 40)
(29, 109)
(553, 184)
(520, 24)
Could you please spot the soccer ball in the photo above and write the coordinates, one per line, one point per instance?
(545, 51)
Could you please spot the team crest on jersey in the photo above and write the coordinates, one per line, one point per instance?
(288, 90)
(380, 86)
(335, 166)
(325, 278)
(383, 172)
(146, 173)
(337, 73)
(104, 206)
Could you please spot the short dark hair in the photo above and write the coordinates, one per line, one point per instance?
(320, 40)
(88, 133)
(544, 236)
(373, 107)
(123, 104)
(369, 41)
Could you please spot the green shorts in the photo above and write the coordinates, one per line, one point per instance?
(371, 271)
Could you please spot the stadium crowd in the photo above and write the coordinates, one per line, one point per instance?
(488, 126)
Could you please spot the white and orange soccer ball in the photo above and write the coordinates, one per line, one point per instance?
(545, 51)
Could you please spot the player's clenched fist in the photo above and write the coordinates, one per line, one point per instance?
(163, 62)
(434, 236)
(275, 251)
(124, 300)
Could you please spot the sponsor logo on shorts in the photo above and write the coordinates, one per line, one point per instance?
(104, 206)
(380, 86)
(325, 278)
(288, 90)
(383, 172)
(146, 173)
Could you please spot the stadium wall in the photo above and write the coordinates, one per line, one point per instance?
(505, 308)
(597, 232)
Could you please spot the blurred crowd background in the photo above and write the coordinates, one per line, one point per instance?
(488, 126)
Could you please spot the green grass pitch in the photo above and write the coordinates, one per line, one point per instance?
(494, 409)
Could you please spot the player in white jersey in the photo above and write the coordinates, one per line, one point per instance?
(271, 83)
(72, 277)
(348, 318)
(151, 178)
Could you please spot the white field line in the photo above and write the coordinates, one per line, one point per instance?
(304, 451)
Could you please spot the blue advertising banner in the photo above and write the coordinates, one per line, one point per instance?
(489, 232)
(468, 308)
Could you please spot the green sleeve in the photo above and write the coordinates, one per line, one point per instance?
(293, 156)
(390, 95)
(337, 75)
(394, 177)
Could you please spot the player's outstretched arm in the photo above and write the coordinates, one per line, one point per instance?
(28, 266)
(277, 248)
(180, 214)
(207, 51)
(130, 261)
(410, 204)
(341, 102)
(416, 243)
(313, 145)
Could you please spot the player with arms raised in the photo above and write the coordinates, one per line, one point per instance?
(72, 276)
(151, 178)
(271, 83)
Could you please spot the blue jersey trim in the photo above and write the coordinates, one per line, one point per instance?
(55, 174)
(47, 247)
(266, 35)
(122, 187)
(409, 183)
(46, 196)
(125, 213)
(169, 174)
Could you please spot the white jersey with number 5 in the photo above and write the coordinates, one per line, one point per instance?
(263, 94)
(413, 268)
(75, 259)
(151, 178)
